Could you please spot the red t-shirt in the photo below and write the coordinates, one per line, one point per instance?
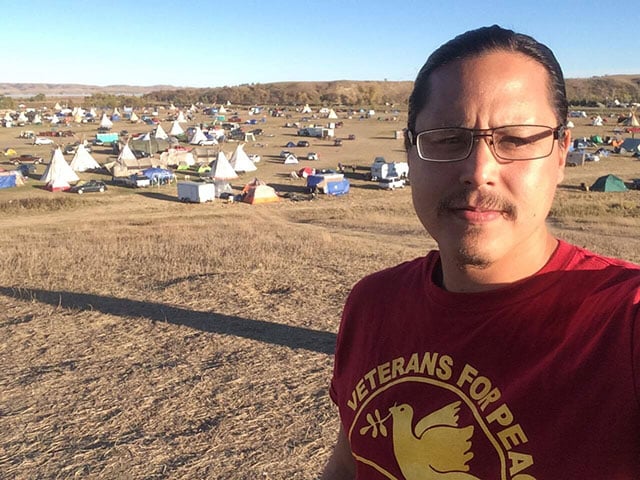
(536, 380)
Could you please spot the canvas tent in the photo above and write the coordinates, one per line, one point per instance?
(290, 159)
(221, 169)
(160, 133)
(83, 160)
(608, 183)
(240, 161)
(198, 137)
(631, 145)
(105, 122)
(631, 121)
(127, 163)
(332, 114)
(177, 158)
(222, 172)
(256, 192)
(58, 174)
(176, 129)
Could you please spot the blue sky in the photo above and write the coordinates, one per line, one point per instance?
(209, 44)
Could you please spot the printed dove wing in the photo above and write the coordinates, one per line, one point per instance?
(446, 416)
(448, 448)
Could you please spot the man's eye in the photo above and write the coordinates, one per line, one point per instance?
(514, 142)
(453, 140)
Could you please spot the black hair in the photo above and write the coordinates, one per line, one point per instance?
(482, 40)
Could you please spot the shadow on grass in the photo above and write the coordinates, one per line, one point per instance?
(160, 196)
(260, 330)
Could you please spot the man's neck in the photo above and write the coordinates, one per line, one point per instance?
(500, 273)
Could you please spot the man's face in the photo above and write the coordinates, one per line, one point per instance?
(483, 210)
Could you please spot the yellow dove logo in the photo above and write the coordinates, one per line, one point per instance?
(435, 448)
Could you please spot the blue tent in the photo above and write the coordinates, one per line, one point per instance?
(158, 175)
(10, 179)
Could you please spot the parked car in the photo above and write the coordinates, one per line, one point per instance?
(71, 148)
(312, 156)
(43, 141)
(89, 186)
(133, 181)
(391, 183)
(26, 158)
(303, 143)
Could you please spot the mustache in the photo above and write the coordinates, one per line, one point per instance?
(480, 200)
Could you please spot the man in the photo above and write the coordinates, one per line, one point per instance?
(507, 354)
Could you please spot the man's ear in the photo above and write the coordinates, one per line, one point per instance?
(564, 143)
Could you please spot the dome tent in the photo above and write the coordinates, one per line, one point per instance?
(608, 183)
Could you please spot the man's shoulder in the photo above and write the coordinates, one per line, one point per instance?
(402, 274)
(580, 258)
(597, 272)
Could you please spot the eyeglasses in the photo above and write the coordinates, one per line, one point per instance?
(510, 142)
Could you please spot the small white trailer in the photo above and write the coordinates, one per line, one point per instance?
(196, 192)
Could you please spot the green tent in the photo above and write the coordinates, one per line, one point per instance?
(609, 183)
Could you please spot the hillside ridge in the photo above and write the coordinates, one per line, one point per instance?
(623, 87)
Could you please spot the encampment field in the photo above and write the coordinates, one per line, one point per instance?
(144, 337)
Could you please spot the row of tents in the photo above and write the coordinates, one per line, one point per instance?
(59, 174)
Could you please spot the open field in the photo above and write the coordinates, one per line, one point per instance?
(147, 338)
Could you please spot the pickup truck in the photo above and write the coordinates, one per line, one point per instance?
(133, 181)
(26, 158)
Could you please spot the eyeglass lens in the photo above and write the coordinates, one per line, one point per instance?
(514, 142)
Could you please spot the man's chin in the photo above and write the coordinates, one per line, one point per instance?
(468, 258)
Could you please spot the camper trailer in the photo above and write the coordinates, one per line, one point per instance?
(381, 169)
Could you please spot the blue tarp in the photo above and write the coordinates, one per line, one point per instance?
(8, 181)
(158, 175)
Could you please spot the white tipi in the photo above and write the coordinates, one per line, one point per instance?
(221, 169)
(176, 129)
(105, 122)
(82, 160)
(240, 161)
(222, 172)
(198, 137)
(58, 174)
(160, 133)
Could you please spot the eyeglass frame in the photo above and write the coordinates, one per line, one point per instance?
(477, 133)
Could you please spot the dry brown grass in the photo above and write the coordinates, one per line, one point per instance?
(145, 338)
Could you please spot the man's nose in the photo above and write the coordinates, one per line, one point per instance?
(481, 166)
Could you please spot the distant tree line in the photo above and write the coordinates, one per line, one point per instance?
(594, 92)
(584, 92)
(345, 93)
